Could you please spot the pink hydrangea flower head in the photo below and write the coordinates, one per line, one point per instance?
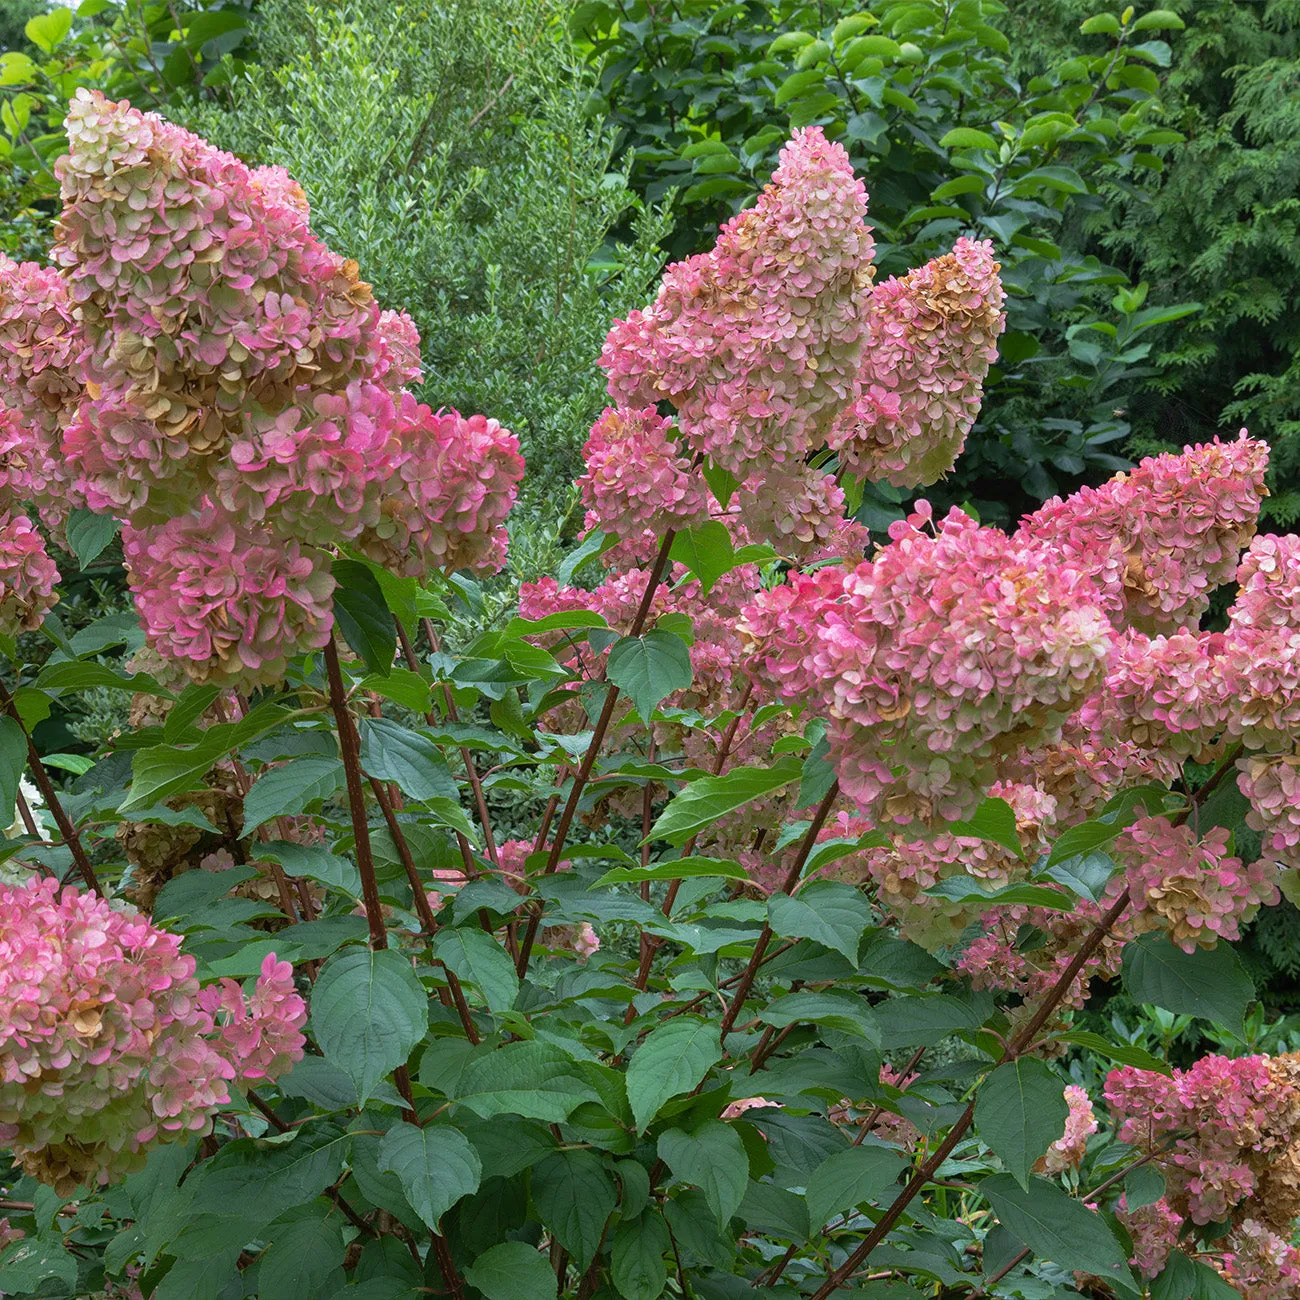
(797, 509)
(1189, 888)
(933, 337)
(1155, 1230)
(953, 646)
(636, 479)
(226, 601)
(444, 503)
(1067, 1151)
(106, 1046)
(1271, 782)
(398, 365)
(1261, 1264)
(27, 575)
(757, 342)
(260, 1034)
(40, 383)
(202, 293)
(1159, 539)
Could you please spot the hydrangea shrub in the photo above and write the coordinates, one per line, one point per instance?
(723, 923)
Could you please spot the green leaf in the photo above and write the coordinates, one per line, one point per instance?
(368, 1011)
(391, 752)
(1058, 1228)
(828, 912)
(1086, 874)
(845, 1012)
(291, 789)
(993, 820)
(83, 674)
(478, 959)
(304, 1260)
(574, 1194)
(1210, 982)
(88, 534)
(961, 888)
(255, 1179)
(587, 549)
(1020, 1110)
(914, 1021)
(436, 1165)
(363, 615)
(1100, 25)
(848, 1178)
(25, 1263)
(648, 668)
(678, 869)
(512, 1271)
(1123, 1053)
(535, 1080)
(1159, 20)
(637, 1258)
(1189, 1279)
(13, 762)
(315, 862)
(965, 137)
(722, 483)
(706, 550)
(673, 1059)
(713, 1158)
(702, 802)
(960, 185)
(45, 31)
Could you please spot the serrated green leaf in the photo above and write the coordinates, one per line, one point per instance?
(512, 1271)
(291, 789)
(848, 1178)
(391, 752)
(673, 1059)
(637, 1258)
(649, 668)
(574, 1194)
(368, 1011)
(1020, 1110)
(436, 1166)
(844, 1012)
(363, 617)
(828, 912)
(534, 1080)
(304, 1260)
(678, 869)
(1210, 982)
(480, 960)
(705, 800)
(89, 534)
(993, 820)
(713, 1158)
(966, 137)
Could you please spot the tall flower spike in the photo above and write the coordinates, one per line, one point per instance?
(1159, 539)
(933, 337)
(757, 342)
(203, 294)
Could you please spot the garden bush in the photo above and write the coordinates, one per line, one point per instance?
(819, 846)
(449, 151)
(955, 134)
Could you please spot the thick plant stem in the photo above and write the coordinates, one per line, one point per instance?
(350, 750)
(787, 887)
(593, 752)
(1022, 1042)
(51, 796)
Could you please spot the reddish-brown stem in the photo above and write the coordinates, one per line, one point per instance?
(593, 752)
(51, 796)
(26, 814)
(462, 1007)
(422, 909)
(471, 768)
(350, 750)
(446, 1267)
(787, 887)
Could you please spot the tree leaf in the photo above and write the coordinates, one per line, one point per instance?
(1211, 982)
(574, 1194)
(709, 797)
(706, 550)
(478, 959)
(1020, 1110)
(848, 1178)
(677, 869)
(436, 1165)
(368, 1011)
(649, 668)
(533, 1079)
(827, 911)
(291, 789)
(1058, 1228)
(512, 1271)
(673, 1059)
(713, 1158)
(916, 1021)
(1188, 1279)
(303, 1261)
(964, 887)
(992, 820)
(13, 762)
(846, 1013)
(1087, 874)
(363, 616)
(966, 137)
(637, 1258)
(391, 752)
(1125, 1054)
(88, 534)
(315, 862)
